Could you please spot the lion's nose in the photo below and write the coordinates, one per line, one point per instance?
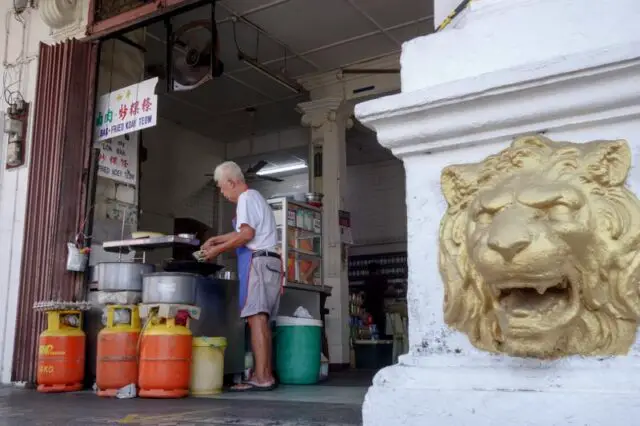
(509, 247)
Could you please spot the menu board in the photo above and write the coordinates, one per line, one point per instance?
(126, 110)
(119, 159)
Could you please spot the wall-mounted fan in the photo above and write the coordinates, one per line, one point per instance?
(192, 55)
(251, 174)
(195, 59)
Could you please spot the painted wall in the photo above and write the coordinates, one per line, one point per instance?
(172, 184)
(18, 49)
(173, 181)
(376, 200)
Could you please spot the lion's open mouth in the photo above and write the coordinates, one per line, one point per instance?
(526, 299)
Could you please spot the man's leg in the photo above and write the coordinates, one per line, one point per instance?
(262, 301)
(261, 346)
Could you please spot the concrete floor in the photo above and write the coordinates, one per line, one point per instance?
(335, 403)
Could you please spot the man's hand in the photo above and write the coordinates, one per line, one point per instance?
(217, 240)
(213, 241)
(215, 246)
(211, 252)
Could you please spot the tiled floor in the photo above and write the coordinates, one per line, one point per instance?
(335, 403)
(312, 394)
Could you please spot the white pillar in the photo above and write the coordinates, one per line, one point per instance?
(328, 120)
(518, 67)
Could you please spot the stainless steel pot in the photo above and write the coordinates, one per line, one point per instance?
(226, 275)
(313, 197)
(122, 276)
(170, 287)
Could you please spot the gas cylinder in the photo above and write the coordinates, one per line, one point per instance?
(165, 359)
(117, 359)
(61, 352)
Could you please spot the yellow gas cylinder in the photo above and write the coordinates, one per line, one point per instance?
(207, 367)
(117, 359)
(61, 352)
(165, 359)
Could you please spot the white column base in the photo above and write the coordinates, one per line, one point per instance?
(461, 390)
(519, 67)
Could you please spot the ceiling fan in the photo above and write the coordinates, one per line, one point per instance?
(251, 174)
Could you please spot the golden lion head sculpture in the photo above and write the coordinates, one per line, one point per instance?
(540, 249)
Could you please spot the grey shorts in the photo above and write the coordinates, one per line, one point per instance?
(264, 287)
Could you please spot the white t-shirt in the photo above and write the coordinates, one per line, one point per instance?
(252, 209)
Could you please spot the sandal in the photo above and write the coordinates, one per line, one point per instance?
(251, 386)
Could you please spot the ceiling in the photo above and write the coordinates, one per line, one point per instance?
(296, 37)
(362, 148)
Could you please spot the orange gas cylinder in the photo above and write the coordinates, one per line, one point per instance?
(61, 353)
(165, 360)
(117, 359)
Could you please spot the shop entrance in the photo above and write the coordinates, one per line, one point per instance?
(241, 104)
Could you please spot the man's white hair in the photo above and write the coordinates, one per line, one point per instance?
(228, 170)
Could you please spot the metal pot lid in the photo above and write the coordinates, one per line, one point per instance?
(170, 274)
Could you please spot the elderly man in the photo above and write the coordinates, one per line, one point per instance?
(260, 268)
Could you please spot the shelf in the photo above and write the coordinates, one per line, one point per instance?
(390, 282)
(300, 240)
(311, 234)
(146, 244)
(305, 254)
(294, 203)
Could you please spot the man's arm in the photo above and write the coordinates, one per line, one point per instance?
(234, 240)
(218, 239)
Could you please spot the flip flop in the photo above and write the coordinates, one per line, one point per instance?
(254, 387)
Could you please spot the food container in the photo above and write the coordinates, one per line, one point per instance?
(170, 287)
(314, 198)
(122, 276)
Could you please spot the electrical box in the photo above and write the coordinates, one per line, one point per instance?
(14, 124)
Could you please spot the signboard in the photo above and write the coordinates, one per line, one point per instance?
(126, 110)
(119, 159)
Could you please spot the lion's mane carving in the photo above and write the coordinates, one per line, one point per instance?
(540, 249)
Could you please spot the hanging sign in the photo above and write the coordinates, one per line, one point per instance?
(119, 159)
(126, 110)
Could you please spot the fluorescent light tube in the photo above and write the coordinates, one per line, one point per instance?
(282, 169)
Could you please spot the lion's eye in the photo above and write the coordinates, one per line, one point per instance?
(484, 218)
(560, 212)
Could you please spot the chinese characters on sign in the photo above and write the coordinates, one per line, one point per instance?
(119, 159)
(118, 113)
(126, 110)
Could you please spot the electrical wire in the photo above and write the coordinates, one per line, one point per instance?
(11, 84)
(453, 15)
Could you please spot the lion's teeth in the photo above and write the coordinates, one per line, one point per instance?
(541, 290)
